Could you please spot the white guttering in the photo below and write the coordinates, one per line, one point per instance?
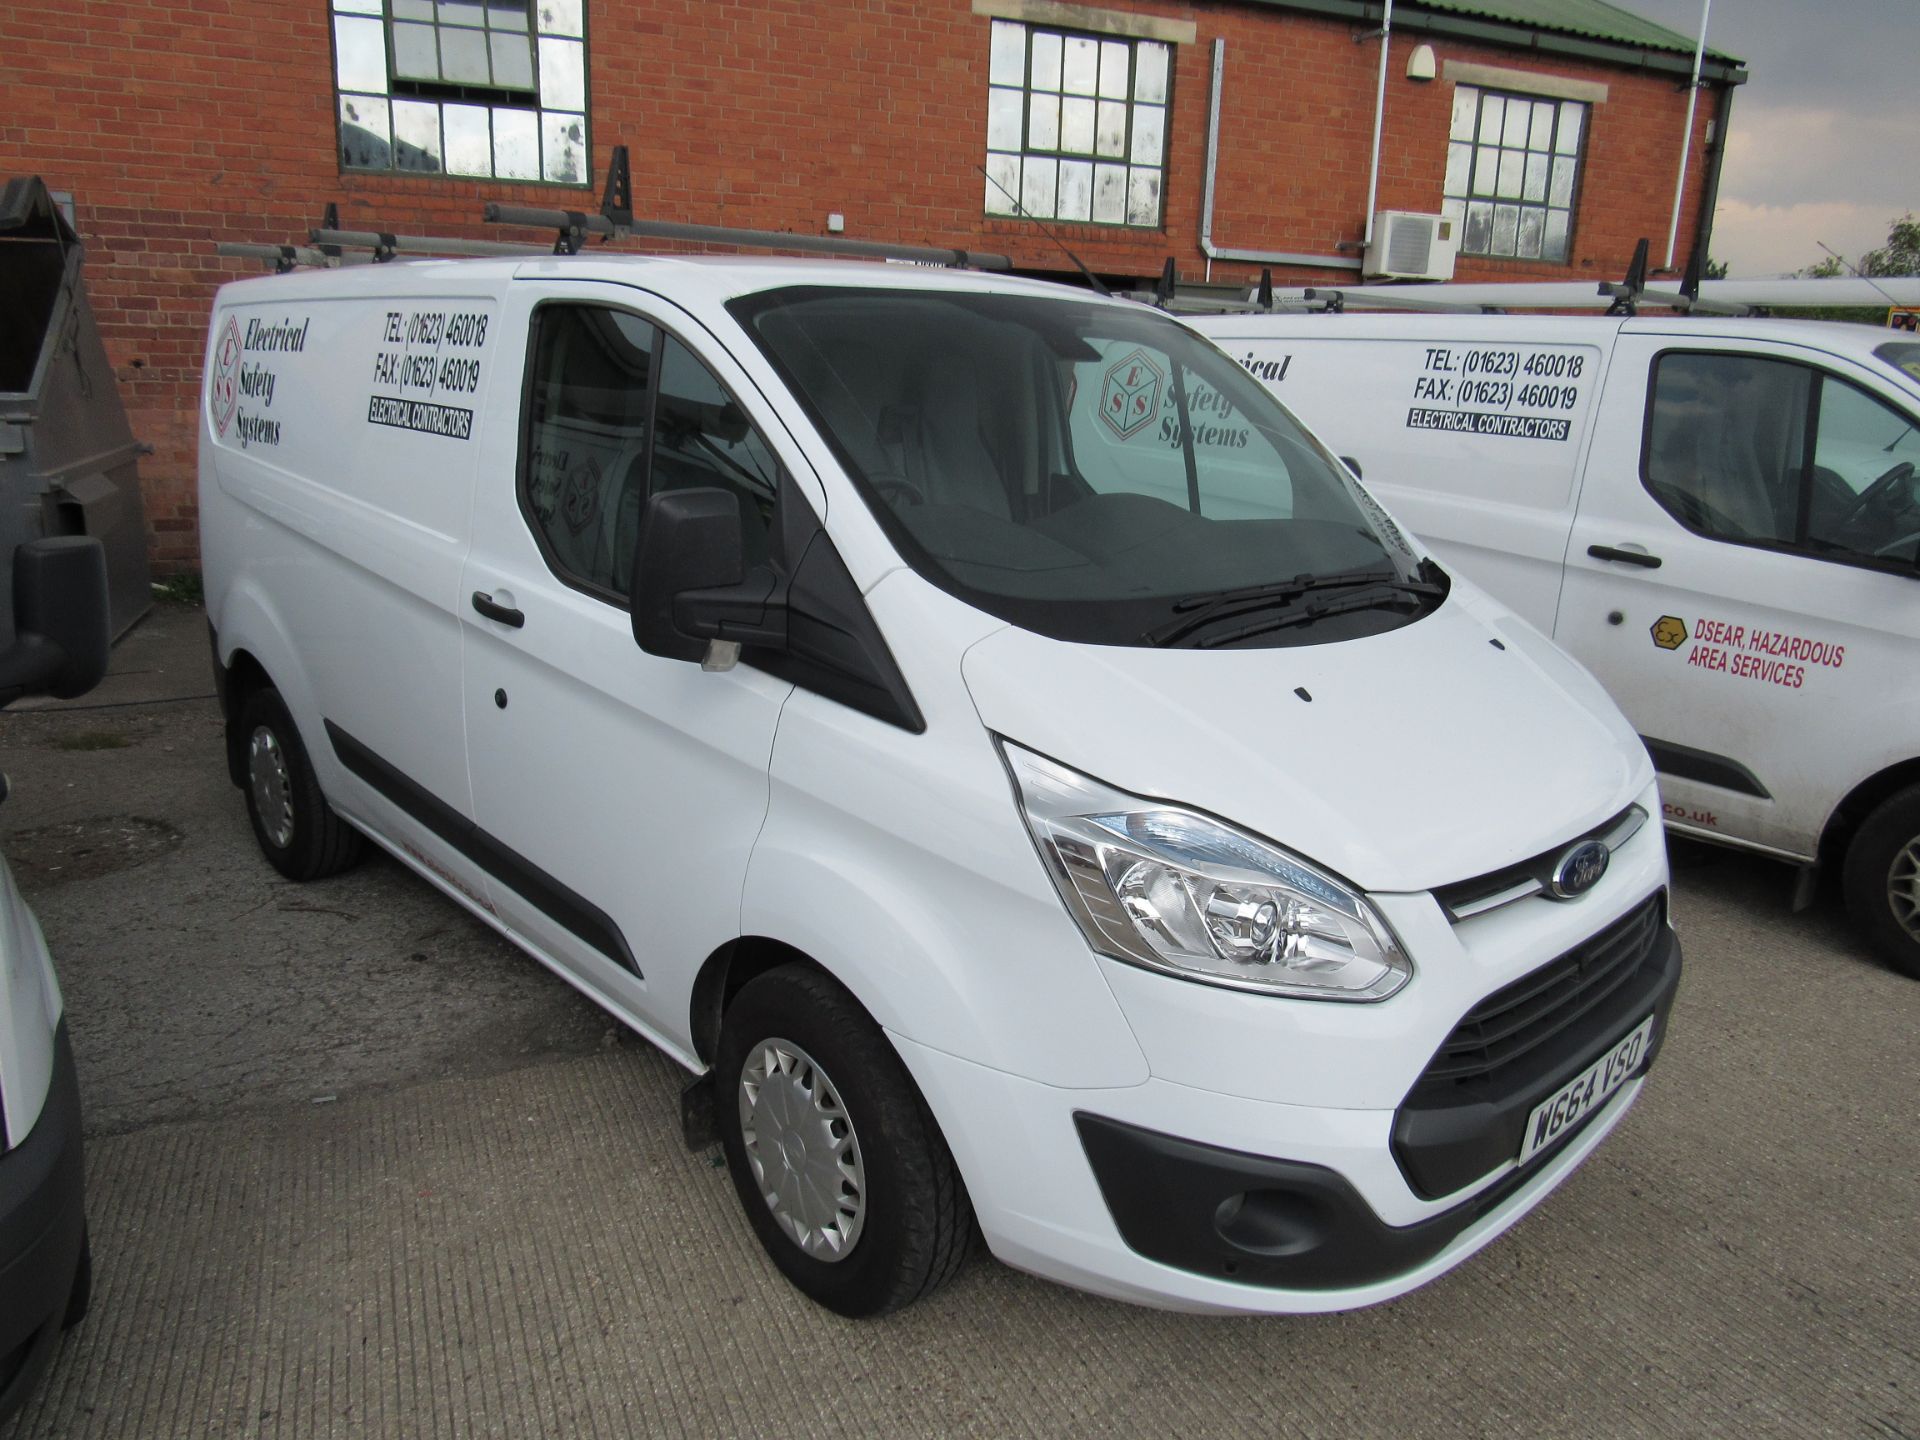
(1686, 137)
(1215, 252)
(1379, 115)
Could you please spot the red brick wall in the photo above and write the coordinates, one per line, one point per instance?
(180, 123)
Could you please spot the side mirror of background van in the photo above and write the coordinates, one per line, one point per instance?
(1353, 465)
(691, 584)
(60, 615)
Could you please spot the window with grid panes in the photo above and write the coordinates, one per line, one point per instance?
(1076, 125)
(1513, 173)
(494, 88)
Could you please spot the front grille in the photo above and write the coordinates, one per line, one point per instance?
(1466, 898)
(1529, 1013)
(1466, 1113)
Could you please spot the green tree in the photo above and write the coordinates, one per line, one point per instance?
(1900, 255)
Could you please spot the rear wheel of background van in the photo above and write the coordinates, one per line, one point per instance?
(1883, 880)
(842, 1171)
(297, 830)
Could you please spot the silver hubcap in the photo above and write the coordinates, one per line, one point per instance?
(801, 1145)
(272, 788)
(1903, 887)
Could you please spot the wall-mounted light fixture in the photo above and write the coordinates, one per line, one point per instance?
(1420, 63)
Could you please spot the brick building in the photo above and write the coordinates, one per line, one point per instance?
(1549, 131)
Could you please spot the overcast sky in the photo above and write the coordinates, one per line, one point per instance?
(1826, 131)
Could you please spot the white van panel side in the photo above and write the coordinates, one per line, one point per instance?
(337, 462)
(1473, 442)
(900, 863)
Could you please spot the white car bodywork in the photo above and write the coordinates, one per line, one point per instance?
(29, 1015)
(1795, 667)
(694, 808)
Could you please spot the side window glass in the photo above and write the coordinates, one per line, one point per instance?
(1864, 501)
(1726, 444)
(702, 438)
(587, 435)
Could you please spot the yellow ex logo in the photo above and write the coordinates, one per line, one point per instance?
(1669, 632)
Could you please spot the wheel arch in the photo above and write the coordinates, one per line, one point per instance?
(1859, 803)
(244, 676)
(728, 970)
(253, 648)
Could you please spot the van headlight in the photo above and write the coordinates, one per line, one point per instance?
(1178, 892)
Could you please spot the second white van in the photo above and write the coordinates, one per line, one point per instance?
(1720, 518)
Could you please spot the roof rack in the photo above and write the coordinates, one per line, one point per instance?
(330, 245)
(1624, 297)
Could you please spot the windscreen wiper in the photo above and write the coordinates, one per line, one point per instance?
(1198, 610)
(1398, 592)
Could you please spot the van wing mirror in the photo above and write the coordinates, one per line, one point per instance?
(60, 619)
(691, 585)
(1352, 464)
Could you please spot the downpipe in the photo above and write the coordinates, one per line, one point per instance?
(1215, 252)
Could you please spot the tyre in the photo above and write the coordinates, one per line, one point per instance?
(298, 832)
(81, 1295)
(838, 1163)
(1882, 879)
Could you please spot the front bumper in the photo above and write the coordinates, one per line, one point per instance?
(43, 1226)
(1195, 1200)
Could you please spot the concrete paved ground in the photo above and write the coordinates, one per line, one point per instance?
(359, 1168)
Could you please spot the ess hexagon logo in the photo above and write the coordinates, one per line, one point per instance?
(225, 389)
(1669, 632)
(1130, 395)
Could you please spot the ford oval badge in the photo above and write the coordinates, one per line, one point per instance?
(1580, 869)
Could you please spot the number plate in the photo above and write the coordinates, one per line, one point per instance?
(1586, 1092)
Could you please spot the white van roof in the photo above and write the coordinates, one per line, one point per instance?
(698, 278)
(1856, 342)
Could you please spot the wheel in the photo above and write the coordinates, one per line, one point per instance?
(1883, 880)
(297, 830)
(81, 1295)
(840, 1167)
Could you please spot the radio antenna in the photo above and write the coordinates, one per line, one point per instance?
(1858, 274)
(1021, 211)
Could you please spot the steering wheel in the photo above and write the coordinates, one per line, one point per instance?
(1697, 513)
(1905, 547)
(888, 485)
(1880, 491)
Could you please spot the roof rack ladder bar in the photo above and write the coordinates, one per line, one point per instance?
(497, 214)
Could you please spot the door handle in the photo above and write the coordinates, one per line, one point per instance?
(1598, 552)
(507, 615)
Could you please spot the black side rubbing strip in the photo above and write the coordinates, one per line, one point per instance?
(565, 907)
(1685, 763)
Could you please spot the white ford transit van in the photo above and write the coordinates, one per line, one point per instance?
(1022, 803)
(1720, 518)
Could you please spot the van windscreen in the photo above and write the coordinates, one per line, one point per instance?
(1086, 470)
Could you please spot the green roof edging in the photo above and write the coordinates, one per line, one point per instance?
(1572, 28)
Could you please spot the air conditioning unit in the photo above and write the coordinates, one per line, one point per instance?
(1411, 246)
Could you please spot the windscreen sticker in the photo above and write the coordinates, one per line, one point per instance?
(426, 362)
(246, 372)
(1773, 657)
(1522, 392)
